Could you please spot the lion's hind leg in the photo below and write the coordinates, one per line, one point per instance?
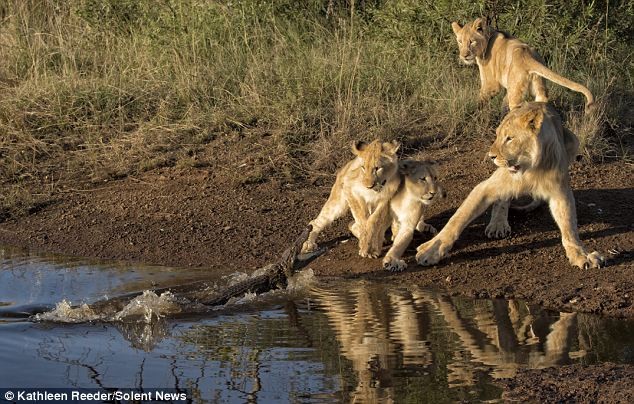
(499, 226)
(537, 88)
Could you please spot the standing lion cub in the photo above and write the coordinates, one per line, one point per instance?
(419, 188)
(532, 151)
(507, 62)
(364, 186)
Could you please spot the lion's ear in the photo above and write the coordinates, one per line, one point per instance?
(358, 146)
(391, 147)
(480, 25)
(456, 27)
(532, 119)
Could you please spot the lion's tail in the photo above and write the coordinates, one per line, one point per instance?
(537, 68)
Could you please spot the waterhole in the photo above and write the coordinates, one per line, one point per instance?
(68, 323)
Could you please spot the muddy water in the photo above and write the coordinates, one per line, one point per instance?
(326, 341)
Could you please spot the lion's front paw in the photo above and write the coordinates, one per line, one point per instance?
(423, 227)
(393, 264)
(370, 247)
(431, 252)
(498, 229)
(592, 260)
(308, 247)
(368, 254)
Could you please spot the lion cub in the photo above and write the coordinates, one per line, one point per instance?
(507, 62)
(418, 189)
(364, 186)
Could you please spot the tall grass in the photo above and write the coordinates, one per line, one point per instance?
(99, 89)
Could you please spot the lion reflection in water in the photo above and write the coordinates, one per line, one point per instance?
(381, 331)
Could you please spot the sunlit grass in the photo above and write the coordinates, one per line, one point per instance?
(93, 90)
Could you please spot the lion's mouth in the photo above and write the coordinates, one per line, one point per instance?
(427, 199)
(514, 169)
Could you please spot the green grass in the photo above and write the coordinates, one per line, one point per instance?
(101, 89)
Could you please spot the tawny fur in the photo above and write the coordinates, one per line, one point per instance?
(532, 151)
(418, 188)
(364, 186)
(508, 62)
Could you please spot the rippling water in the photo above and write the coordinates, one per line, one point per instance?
(327, 341)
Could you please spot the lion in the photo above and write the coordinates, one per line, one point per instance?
(532, 151)
(364, 186)
(507, 62)
(418, 188)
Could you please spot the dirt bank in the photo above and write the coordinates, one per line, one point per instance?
(605, 383)
(217, 216)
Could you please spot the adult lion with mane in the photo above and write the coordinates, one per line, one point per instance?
(507, 62)
(532, 151)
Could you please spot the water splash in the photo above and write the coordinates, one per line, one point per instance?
(236, 277)
(149, 305)
(65, 313)
(301, 281)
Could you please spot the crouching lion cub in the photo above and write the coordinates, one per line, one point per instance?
(364, 186)
(418, 189)
(532, 151)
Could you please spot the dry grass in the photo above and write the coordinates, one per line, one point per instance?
(94, 90)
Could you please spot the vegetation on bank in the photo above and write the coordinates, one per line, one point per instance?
(100, 89)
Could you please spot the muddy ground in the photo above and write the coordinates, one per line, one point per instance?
(605, 383)
(214, 217)
(217, 216)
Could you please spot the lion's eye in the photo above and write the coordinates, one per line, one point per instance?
(379, 170)
(508, 139)
(473, 43)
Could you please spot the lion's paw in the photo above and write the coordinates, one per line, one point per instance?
(308, 247)
(423, 227)
(368, 254)
(393, 264)
(592, 260)
(498, 229)
(431, 252)
(355, 229)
